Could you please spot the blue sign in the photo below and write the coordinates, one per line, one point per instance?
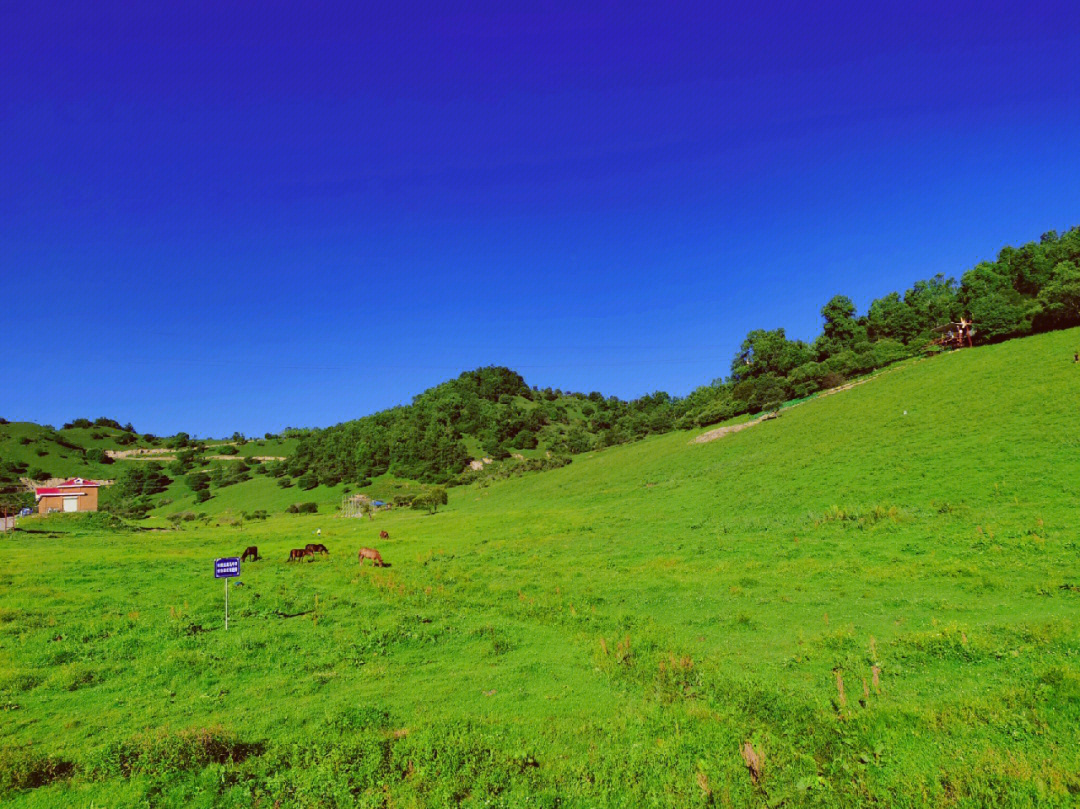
(226, 568)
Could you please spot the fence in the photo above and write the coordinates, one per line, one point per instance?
(7, 524)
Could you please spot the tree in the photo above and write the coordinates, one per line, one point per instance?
(1060, 298)
(431, 499)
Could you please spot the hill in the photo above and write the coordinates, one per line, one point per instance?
(492, 412)
(872, 598)
(489, 423)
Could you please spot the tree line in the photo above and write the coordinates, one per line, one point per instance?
(1027, 289)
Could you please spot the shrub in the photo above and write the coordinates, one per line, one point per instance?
(307, 482)
(202, 495)
(832, 380)
(22, 768)
(164, 751)
(97, 455)
(284, 483)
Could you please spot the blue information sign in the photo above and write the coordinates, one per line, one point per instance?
(226, 568)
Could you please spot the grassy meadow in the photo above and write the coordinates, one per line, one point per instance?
(878, 592)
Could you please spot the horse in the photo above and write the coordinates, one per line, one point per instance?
(253, 552)
(299, 553)
(373, 555)
(384, 535)
(316, 547)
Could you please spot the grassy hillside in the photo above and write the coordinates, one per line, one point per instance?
(58, 453)
(877, 591)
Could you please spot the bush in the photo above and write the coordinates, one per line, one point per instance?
(37, 473)
(303, 508)
(97, 455)
(284, 483)
(832, 380)
(163, 752)
(22, 768)
(307, 482)
(202, 495)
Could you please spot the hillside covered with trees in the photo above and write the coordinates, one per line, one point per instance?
(492, 413)
(1029, 289)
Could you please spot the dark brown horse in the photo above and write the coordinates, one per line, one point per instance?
(251, 552)
(316, 547)
(384, 535)
(299, 553)
(373, 555)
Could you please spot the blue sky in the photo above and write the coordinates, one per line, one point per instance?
(217, 219)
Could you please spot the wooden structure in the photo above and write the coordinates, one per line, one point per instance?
(356, 506)
(955, 335)
(71, 495)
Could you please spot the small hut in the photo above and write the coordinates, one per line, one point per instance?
(955, 335)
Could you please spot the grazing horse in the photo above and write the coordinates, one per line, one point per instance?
(298, 553)
(384, 535)
(316, 547)
(373, 555)
(252, 552)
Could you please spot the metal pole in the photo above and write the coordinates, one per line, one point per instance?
(226, 605)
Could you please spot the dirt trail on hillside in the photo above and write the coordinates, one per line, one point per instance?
(720, 432)
(155, 454)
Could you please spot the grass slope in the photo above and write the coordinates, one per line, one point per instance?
(609, 633)
(39, 448)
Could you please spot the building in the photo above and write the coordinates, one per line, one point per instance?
(71, 495)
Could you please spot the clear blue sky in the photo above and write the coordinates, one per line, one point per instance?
(218, 219)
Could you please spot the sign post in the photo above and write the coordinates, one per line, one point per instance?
(227, 568)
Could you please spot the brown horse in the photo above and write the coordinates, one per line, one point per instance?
(316, 547)
(252, 552)
(384, 535)
(299, 553)
(373, 555)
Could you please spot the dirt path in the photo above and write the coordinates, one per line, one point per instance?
(166, 455)
(720, 432)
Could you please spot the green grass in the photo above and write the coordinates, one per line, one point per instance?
(261, 447)
(608, 633)
(36, 446)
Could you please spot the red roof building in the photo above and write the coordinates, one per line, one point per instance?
(71, 495)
